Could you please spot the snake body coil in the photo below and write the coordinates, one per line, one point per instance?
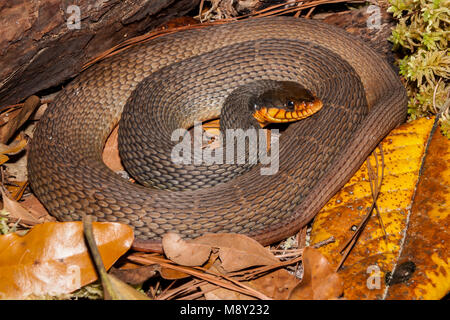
(363, 100)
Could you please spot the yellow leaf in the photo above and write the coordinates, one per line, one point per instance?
(124, 291)
(14, 147)
(16, 189)
(3, 158)
(373, 257)
(426, 252)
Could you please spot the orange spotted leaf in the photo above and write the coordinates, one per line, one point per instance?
(52, 258)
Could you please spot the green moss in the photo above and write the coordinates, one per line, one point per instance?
(4, 228)
(421, 36)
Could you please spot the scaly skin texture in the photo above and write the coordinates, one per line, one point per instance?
(363, 100)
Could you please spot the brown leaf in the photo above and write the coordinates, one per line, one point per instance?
(277, 284)
(52, 258)
(137, 275)
(177, 22)
(237, 251)
(170, 274)
(16, 119)
(17, 211)
(13, 148)
(319, 279)
(185, 253)
(111, 152)
(36, 209)
(17, 167)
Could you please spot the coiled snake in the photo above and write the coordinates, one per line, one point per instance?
(362, 96)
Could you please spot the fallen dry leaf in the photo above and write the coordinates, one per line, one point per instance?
(184, 252)
(423, 267)
(14, 147)
(199, 273)
(277, 284)
(52, 258)
(17, 211)
(177, 22)
(237, 251)
(3, 158)
(16, 118)
(136, 275)
(124, 291)
(171, 274)
(110, 154)
(36, 209)
(374, 257)
(16, 188)
(319, 281)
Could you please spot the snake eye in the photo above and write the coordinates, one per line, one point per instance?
(290, 104)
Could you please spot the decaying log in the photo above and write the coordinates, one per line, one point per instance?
(44, 43)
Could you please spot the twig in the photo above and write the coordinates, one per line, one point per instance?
(206, 275)
(376, 189)
(324, 242)
(297, 14)
(348, 246)
(310, 12)
(96, 257)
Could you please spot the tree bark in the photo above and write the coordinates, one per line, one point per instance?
(44, 43)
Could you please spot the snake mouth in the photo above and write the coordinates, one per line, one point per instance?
(300, 110)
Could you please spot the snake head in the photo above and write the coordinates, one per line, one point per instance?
(286, 102)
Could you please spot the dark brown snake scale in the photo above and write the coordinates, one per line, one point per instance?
(363, 101)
